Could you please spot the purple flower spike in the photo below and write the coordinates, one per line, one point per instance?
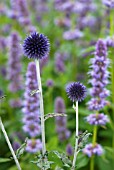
(76, 91)
(69, 150)
(31, 117)
(63, 132)
(99, 77)
(14, 63)
(36, 46)
(97, 119)
(90, 150)
(33, 145)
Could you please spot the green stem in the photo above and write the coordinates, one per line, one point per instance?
(41, 107)
(76, 140)
(94, 142)
(9, 145)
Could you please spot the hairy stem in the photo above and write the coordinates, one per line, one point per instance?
(41, 107)
(76, 140)
(9, 144)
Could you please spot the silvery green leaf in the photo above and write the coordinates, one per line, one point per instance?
(42, 162)
(4, 160)
(34, 91)
(21, 150)
(74, 107)
(50, 115)
(83, 139)
(65, 160)
(2, 97)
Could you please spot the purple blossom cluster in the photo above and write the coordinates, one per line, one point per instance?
(109, 41)
(60, 62)
(20, 12)
(14, 67)
(3, 43)
(31, 109)
(50, 83)
(97, 119)
(108, 3)
(99, 77)
(91, 149)
(72, 34)
(40, 7)
(69, 150)
(79, 8)
(14, 63)
(33, 145)
(61, 121)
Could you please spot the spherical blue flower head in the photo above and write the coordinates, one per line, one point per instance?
(76, 91)
(36, 46)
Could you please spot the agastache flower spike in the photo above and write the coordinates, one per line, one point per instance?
(63, 132)
(99, 75)
(31, 117)
(36, 46)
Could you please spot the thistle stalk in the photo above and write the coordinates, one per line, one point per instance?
(76, 140)
(9, 145)
(41, 106)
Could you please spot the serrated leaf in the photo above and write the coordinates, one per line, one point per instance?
(2, 160)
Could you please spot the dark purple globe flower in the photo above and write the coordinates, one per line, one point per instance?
(76, 91)
(36, 46)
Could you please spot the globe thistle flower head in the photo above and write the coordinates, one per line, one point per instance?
(36, 46)
(76, 91)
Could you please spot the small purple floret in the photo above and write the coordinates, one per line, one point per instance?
(33, 145)
(97, 119)
(90, 150)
